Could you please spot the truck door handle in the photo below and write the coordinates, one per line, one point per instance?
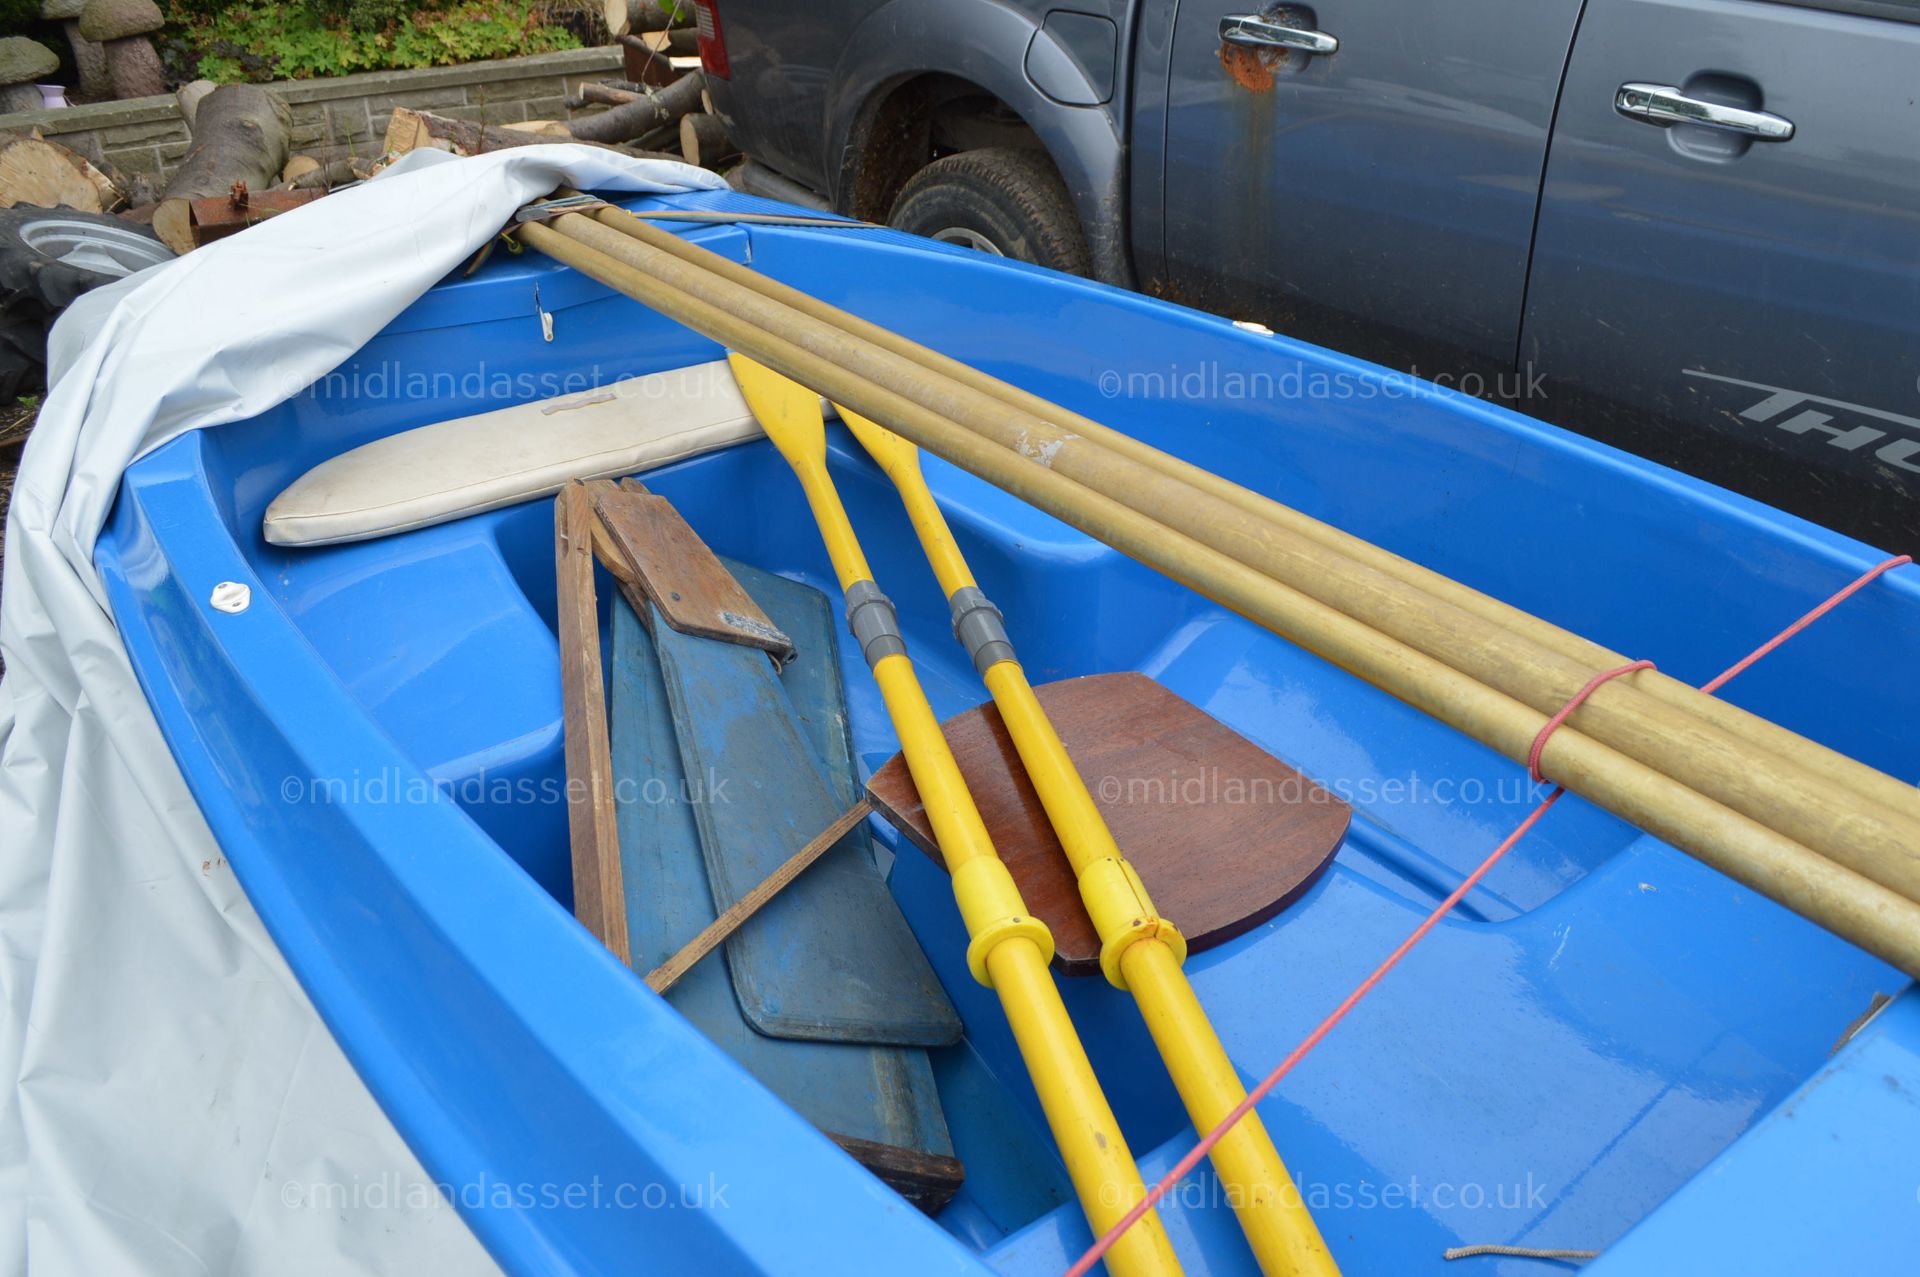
(1666, 104)
(1256, 32)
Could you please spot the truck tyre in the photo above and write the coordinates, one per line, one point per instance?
(1002, 200)
(23, 347)
(48, 257)
(52, 255)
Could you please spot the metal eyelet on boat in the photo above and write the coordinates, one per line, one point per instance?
(545, 315)
(231, 596)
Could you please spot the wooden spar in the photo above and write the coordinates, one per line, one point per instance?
(714, 934)
(598, 899)
(1827, 764)
(1814, 884)
(643, 542)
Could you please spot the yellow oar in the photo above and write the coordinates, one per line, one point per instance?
(1139, 951)
(1009, 949)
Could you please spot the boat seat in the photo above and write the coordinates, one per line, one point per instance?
(469, 465)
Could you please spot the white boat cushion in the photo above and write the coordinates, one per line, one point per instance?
(471, 464)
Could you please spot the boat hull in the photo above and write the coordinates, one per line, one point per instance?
(376, 745)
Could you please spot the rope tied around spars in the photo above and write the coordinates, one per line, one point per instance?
(1565, 712)
(1200, 1150)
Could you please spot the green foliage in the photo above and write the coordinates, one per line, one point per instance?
(19, 17)
(302, 39)
(369, 15)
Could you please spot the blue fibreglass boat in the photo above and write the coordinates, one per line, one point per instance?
(1609, 1046)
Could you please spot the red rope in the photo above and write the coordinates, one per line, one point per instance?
(1566, 712)
(1339, 1013)
(1741, 666)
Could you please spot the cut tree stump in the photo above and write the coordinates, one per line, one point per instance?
(239, 136)
(623, 16)
(189, 96)
(704, 140)
(36, 171)
(654, 59)
(298, 166)
(683, 42)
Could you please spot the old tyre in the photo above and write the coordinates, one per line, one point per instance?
(1001, 200)
(52, 255)
(48, 257)
(23, 347)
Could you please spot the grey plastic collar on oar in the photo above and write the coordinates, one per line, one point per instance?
(874, 623)
(980, 627)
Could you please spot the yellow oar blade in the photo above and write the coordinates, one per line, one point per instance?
(901, 462)
(790, 414)
(786, 410)
(896, 456)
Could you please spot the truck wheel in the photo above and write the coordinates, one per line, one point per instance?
(52, 255)
(48, 257)
(1002, 200)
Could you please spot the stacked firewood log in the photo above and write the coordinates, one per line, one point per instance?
(241, 168)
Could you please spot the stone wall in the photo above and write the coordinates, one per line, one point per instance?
(344, 116)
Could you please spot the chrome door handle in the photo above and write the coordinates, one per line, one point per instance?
(1666, 104)
(1257, 32)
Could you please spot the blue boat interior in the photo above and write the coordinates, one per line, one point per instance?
(377, 743)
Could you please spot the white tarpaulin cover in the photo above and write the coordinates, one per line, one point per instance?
(169, 1079)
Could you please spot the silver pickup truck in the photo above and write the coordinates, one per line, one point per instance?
(1687, 227)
